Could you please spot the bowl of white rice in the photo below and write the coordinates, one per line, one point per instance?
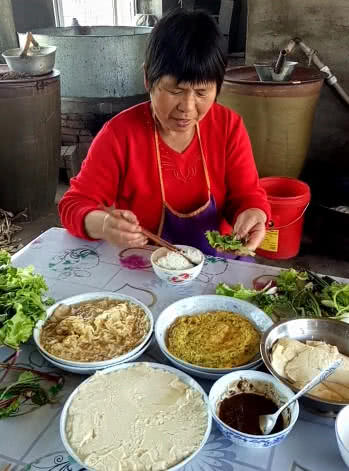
(175, 269)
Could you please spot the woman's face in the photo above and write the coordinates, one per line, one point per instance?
(180, 106)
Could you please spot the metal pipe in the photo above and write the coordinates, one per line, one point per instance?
(331, 79)
(279, 65)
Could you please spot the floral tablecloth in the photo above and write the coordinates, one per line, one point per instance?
(72, 266)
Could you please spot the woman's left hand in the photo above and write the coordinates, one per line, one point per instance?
(250, 224)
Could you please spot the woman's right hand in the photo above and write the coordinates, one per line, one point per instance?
(120, 228)
(123, 230)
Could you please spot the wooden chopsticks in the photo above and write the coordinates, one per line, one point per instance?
(155, 238)
(160, 241)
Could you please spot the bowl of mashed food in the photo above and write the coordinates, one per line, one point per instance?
(93, 331)
(136, 416)
(176, 269)
(211, 335)
(239, 398)
(295, 350)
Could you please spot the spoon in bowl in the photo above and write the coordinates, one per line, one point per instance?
(268, 421)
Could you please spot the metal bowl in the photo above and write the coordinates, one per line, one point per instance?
(34, 64)
(265, 72)
(328, 330)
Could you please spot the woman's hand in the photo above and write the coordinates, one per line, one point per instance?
(121, 228)
(250, 224)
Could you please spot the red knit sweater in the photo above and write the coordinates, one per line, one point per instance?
(121, 169)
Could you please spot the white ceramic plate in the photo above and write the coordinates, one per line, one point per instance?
(89, 297)
(211, 302)
(182, 376)
(86, 370)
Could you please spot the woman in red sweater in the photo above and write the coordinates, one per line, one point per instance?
(178, 165)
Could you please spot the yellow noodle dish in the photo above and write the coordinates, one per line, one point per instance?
(214, 339)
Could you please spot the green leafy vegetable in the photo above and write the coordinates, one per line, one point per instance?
(27, 390)
(296, 294)
(335, 297)
(262, 299)
(227, 243)
(22, 302)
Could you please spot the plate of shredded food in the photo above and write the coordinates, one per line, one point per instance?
(94, 329)
(211, 334)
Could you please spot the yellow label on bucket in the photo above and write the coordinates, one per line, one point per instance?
(270, 241)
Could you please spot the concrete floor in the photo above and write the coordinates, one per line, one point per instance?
(307, 258)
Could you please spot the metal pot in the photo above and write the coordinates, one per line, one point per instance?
(34, 63)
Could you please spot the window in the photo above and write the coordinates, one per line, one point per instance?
(93, 13)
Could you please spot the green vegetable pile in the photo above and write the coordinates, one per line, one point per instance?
(227, 243)
(296, 294)
(27, 390)
(22, 302)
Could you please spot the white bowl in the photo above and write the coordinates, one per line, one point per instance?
(89, 297)
(182, 376)
(210, 302)
(284, 393)
(87, 370)
(342, 433)
(176, 277)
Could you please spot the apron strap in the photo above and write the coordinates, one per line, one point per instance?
(160, 169)
(204, 161)
(159, 162)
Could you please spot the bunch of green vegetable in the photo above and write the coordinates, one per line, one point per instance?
(27, 390)
(22, 302)
(296, 294)
(227, 243)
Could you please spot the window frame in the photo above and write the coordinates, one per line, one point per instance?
(59, 14)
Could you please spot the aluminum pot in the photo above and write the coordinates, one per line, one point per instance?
(35, 63)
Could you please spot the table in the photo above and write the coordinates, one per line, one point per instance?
(72, 266)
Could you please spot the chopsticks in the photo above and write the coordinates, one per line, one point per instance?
(6, 468)
(155, 238)
(160, 241)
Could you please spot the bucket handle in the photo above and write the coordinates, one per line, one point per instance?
(271, 224)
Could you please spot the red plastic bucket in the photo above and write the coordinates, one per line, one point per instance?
(289, 199)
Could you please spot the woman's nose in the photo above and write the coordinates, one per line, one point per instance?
(187, 103)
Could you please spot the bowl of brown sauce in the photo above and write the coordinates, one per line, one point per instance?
(239, 398)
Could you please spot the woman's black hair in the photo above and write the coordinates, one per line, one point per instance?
(187, 46)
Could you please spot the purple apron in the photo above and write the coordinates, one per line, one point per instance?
(189, 229)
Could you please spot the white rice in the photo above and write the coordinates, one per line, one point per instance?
(175, 261)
